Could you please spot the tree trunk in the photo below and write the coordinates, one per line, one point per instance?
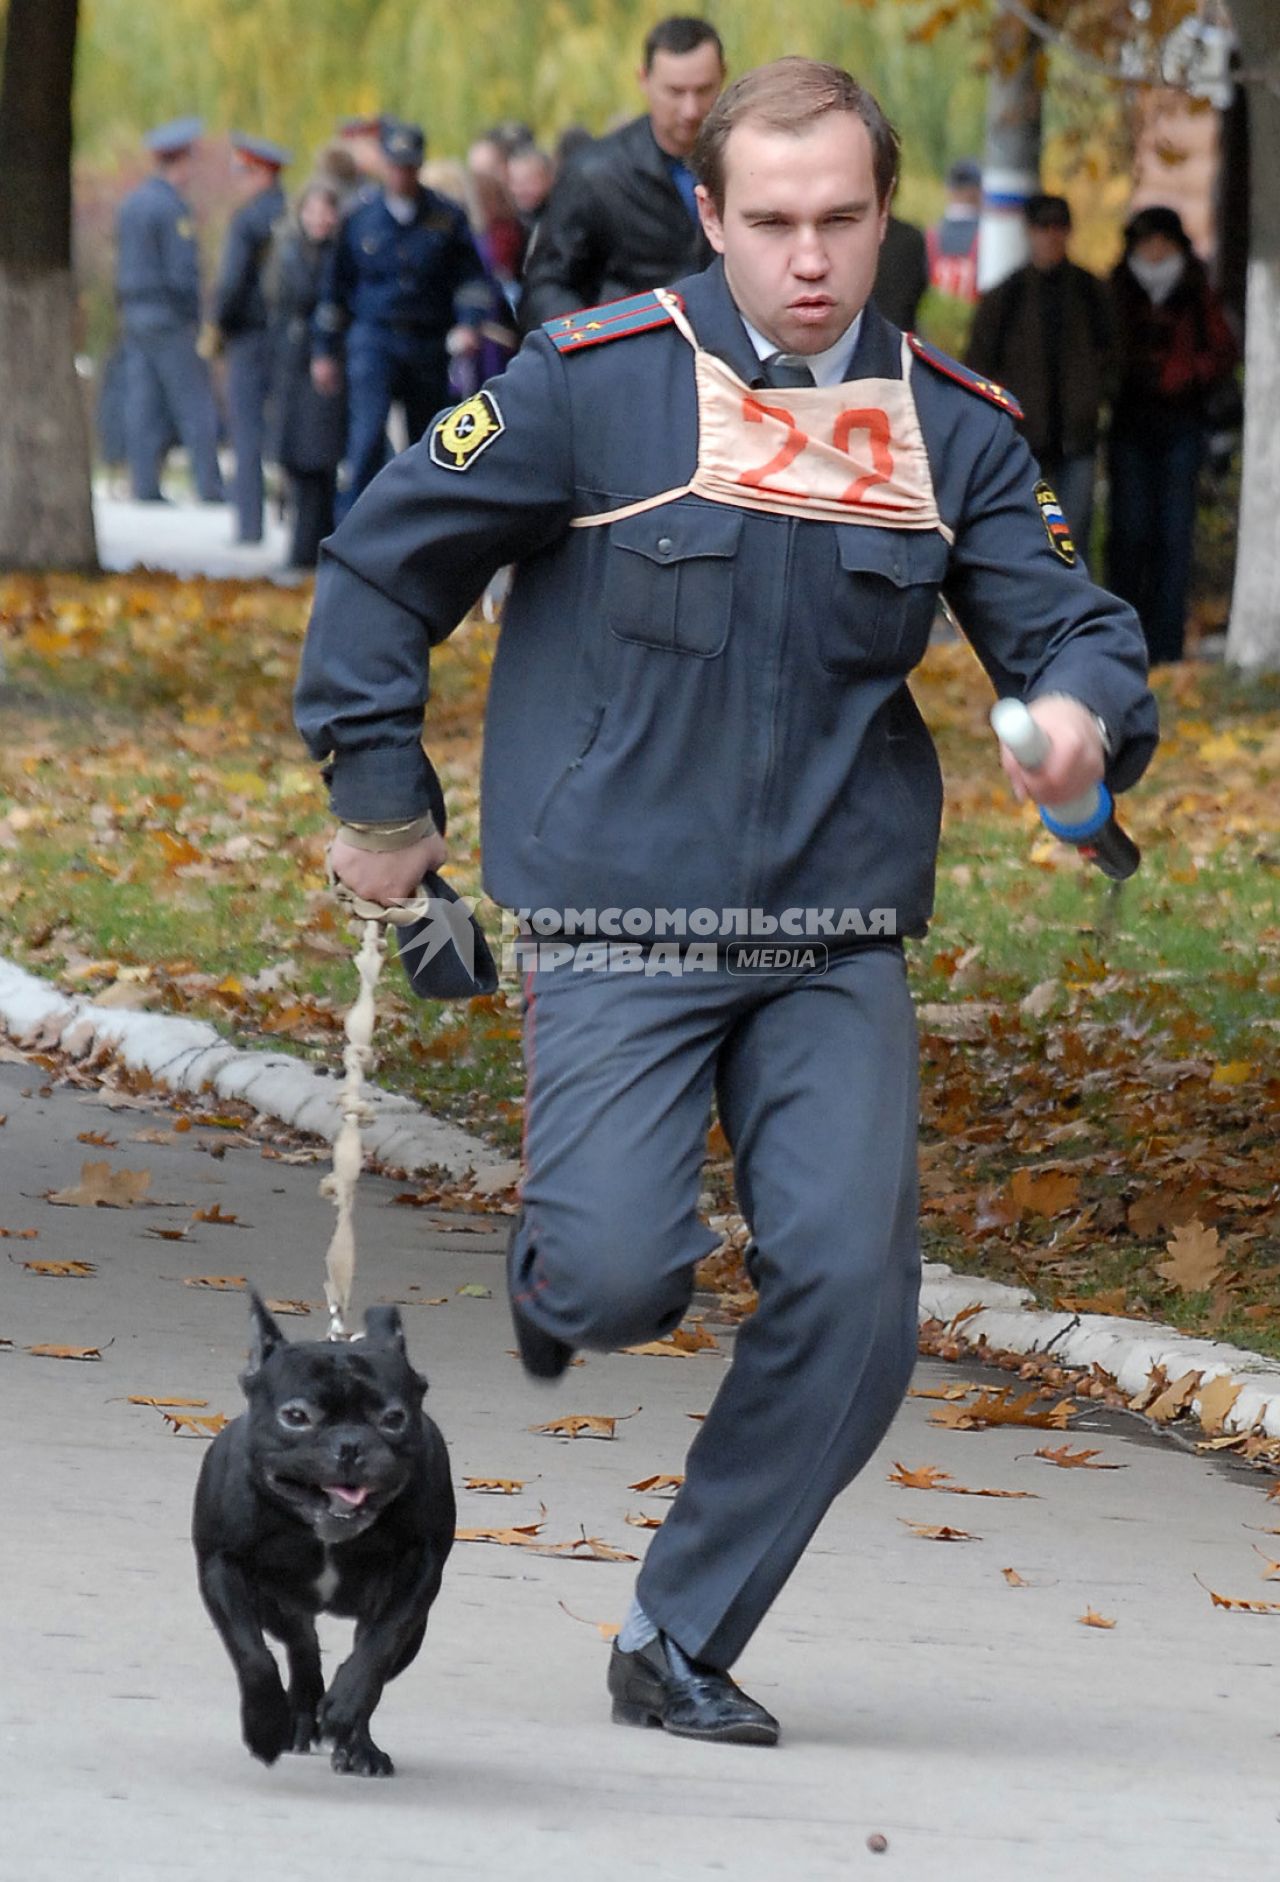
(1011, 160)
(46, 507)
(1253, 636)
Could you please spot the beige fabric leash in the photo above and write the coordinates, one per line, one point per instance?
(339, 1186)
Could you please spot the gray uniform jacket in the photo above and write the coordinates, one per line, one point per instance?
(157, 261)
(239, 303)
(697, 706)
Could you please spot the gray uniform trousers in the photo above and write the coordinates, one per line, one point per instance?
(167, 392)
(816, 1081)
(248, 358)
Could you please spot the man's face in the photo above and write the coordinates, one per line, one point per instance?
(529, 180)
(801, 228)
(401, 178)
(681, 88)
(1048, 246)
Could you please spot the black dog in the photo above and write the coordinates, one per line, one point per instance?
(332, 1492)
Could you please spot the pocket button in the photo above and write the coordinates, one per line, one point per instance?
(664, 545)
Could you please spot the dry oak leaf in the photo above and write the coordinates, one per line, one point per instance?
(298, 1307)
(1195, 1258)
(99, 1138)
(192, 1425)
(929, 1477)
(1091, 1618)
(665, 1485)
(19, 1235)
(1174, 1399)
(1067, 1459)
(65, 1352)
(638, 1521)
(75, 1270)
(1048, 1192)
(1237, 1606)
(952, 1393)
(214, 1213)
(938, 1532)
(1014, 1579)
(1272, 1570)
(585, 1548)
(682, 1344)
(1002, 1408)
(607, 1630)
(579, 1426)
(192, 1404)
(220, 1283)
(1216, 1399)
(494, 1486)
(169, 1235)
(100, 1187)
(517, 1537)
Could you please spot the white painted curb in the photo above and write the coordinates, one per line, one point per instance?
(190, 1055)
(1128, 1350)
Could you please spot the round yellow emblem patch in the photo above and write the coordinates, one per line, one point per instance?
(462, 434)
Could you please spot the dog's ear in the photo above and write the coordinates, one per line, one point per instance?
(383, 1327)
(266, 1337)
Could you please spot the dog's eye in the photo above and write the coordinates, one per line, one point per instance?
(295, 1416)
(394, 1419)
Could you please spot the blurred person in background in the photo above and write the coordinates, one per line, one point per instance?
(167, 389)
(404, 289)
(1045, 333)
(1176, 353)
(309, 428)
(902, 273)
(623, 216)
(953, 241)
(530, 174)
(240, 321)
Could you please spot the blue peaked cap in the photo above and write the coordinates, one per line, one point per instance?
(166, 140)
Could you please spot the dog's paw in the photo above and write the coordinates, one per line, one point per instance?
(266, 1720)
(358, 1756)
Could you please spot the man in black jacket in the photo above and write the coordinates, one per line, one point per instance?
(240, 318)
(623, 217)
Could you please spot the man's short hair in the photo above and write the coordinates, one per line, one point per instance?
(791, 94)
(678, 35)
(1047, 212)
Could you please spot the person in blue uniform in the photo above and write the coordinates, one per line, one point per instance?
(403, 288)
(241, 320)
(712, 804)
(168, 392)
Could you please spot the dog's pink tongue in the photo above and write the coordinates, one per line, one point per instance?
(346, 1493)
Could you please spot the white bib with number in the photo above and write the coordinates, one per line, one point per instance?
(851, 453)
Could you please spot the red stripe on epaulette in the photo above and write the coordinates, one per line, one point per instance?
(965, 376)
(592, 326)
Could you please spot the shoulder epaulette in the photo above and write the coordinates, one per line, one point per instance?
(616, 320)
(964, 376)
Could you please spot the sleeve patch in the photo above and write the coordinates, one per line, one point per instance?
(592, 326)
(458, 438)
(965, 376)
(1056, 526)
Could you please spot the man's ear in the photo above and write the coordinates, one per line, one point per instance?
(712, 227)
(266, 1336)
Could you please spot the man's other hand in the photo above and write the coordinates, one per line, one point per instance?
(387, 876)
(326, 376)
(1076, 759)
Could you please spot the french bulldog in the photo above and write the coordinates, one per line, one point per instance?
(331, 1494)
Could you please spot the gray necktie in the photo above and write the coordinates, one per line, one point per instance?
(787, 369)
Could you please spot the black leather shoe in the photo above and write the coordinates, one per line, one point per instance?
(660, 1685)
(541, 1354)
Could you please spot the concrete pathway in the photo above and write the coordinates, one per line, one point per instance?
(976, 1725)
(186, 538)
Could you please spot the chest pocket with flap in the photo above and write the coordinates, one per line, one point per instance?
(884, 594)
(669, 579)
